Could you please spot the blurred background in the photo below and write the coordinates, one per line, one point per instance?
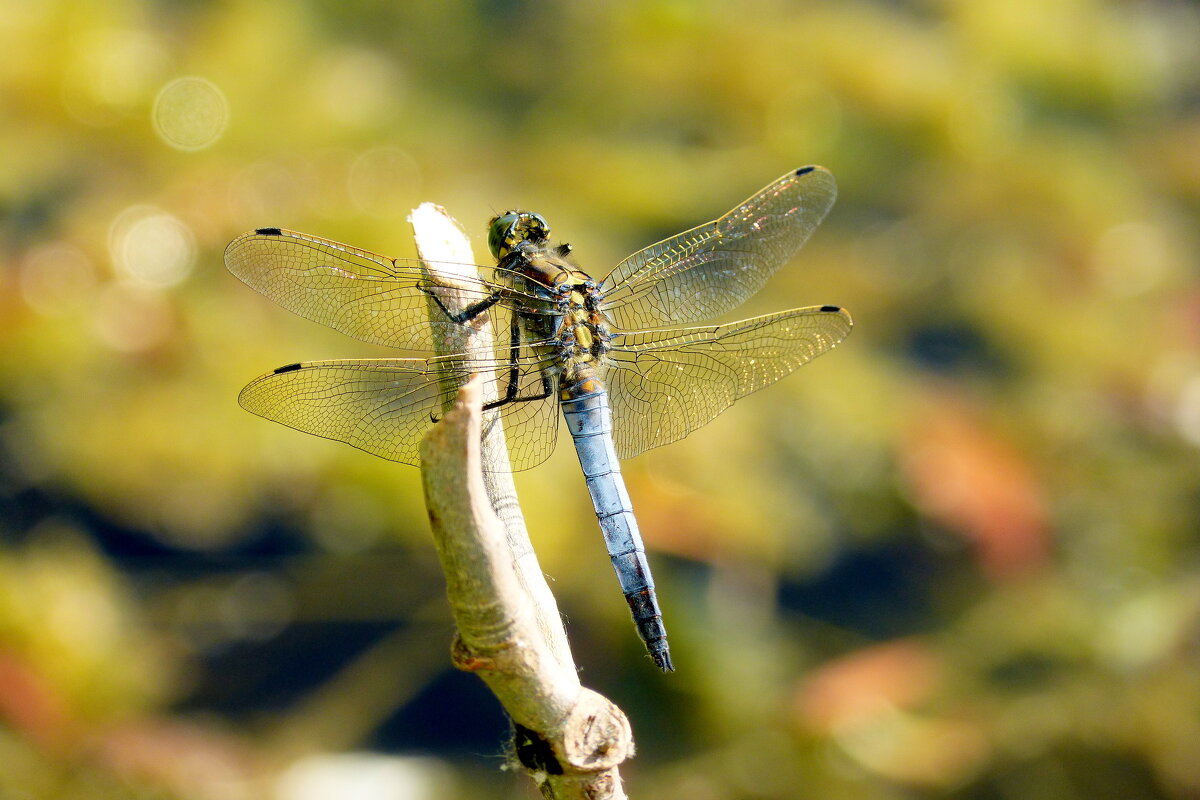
(955, 558)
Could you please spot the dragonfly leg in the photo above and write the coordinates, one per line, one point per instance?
(514, 375)
(470, 312)
(546, 392)
(509, 398)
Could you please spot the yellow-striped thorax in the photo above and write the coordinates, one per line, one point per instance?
(519, 241)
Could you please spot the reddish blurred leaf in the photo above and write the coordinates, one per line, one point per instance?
(29, 703)
(975, 483)
(862, 684)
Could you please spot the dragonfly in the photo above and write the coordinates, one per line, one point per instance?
(609, 354)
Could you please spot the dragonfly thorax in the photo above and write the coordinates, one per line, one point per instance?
(519, 241)
(577, 328)
(583, 337)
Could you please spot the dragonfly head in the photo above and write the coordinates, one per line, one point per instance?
(509, 229)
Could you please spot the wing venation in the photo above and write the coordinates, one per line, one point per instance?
(664, 384)
(713, 268)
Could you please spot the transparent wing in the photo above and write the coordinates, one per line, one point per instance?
(531, 420)
(664, 384)
(709, 270)
(385, 406)
(365, 295)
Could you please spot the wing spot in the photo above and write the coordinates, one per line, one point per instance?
(269, 232)
(804, 171)
(831, 309)
(288, 368)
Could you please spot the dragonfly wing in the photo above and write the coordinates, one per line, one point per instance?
(664, 384)
(365, 295)
(713, 268)
(530, 420)
(385, 406)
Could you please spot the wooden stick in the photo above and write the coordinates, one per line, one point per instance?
(446, 252)
(568, 738)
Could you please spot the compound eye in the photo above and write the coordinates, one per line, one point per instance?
(500, 240)
(510, 229)
(537, 230)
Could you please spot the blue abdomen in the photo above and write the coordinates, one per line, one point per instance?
(585, 406)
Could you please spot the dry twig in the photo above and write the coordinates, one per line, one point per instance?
(568, 738)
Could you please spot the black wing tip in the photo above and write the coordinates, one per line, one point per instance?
(815, 170)
(269, 231)
(839, 311)
(289, 368)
